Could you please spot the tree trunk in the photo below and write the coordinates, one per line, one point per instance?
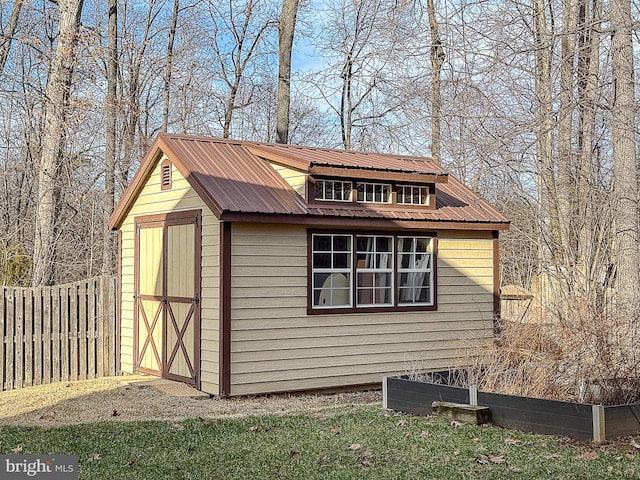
(169, 68)
(437, 60)
(9, 32)
(588, 73)
(549, 218)
(624, 156)
(566, 190)
(285, 44)
(108, 257)
(53, 138)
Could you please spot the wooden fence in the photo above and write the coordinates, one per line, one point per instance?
(60, 333)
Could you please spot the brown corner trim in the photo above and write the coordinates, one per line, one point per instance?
(225, 310)
(496, 282)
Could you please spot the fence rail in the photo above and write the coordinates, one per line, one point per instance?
(60, 333)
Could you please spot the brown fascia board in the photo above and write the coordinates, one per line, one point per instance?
(377, 174)
(135, 187)
(351, 222)
(159, 147)
(278, 157)
(345, 172)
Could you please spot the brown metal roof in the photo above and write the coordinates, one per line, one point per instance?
(233, 177)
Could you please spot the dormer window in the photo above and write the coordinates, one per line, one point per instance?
(374, 192)
(333, 190)
(412, 195)
(165, 175)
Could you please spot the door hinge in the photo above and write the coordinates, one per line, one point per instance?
(196, 300)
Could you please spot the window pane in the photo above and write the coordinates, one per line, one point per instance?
(342, 243)
(332, 290)
(321, 260)
(423, 244)
(341, 260)
(383, 244)
(322, 243)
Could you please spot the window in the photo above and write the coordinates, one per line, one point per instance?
(415, 272)
(374, 270)
(354, 272)
(165, 175)
(412, 195)
(332, 267)
(374, 192)
(335, 190)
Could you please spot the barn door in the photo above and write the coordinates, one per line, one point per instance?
(167, 307)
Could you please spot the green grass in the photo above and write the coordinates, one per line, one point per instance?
(346, 443)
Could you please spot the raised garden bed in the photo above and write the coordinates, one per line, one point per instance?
(579, 420)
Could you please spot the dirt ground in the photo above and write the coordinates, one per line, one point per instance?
(138, 397)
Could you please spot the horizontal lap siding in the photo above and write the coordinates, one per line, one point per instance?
(295, 178)
(276, 346)
(153, 200)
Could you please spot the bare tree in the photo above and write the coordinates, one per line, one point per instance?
(169, 66)
(9, 31)
(285, 44)
(108, 258)
(437, 60)
(545, 134)
(623, 108)
(53, 140)
(239, 35)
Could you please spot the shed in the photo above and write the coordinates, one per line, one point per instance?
(250, 268)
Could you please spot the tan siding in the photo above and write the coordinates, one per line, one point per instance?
(295, 178)
(277, 346)
(153, 200)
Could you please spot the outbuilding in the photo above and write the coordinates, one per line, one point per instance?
(250, 268)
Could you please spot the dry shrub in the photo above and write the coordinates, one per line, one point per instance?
(586, 355)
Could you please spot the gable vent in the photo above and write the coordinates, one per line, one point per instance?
(165, 175)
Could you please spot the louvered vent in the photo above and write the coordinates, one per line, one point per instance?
(166, 175)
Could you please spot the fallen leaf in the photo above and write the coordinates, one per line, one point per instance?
(366, 463)
(475, 439)
(482, 460)
(94, 458)
(335, 430)
(587, 456)
(115, 413)
(18, 449)
(402, 422)
(456, 452)
(47, 417)
(456, 424)
(514, 469)
(635, 444)
(255, 428)
(513, 441)
(355, 446)
(425, 434)
(178, 426)
(498, 459)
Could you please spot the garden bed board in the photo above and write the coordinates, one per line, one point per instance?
(578, 420)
